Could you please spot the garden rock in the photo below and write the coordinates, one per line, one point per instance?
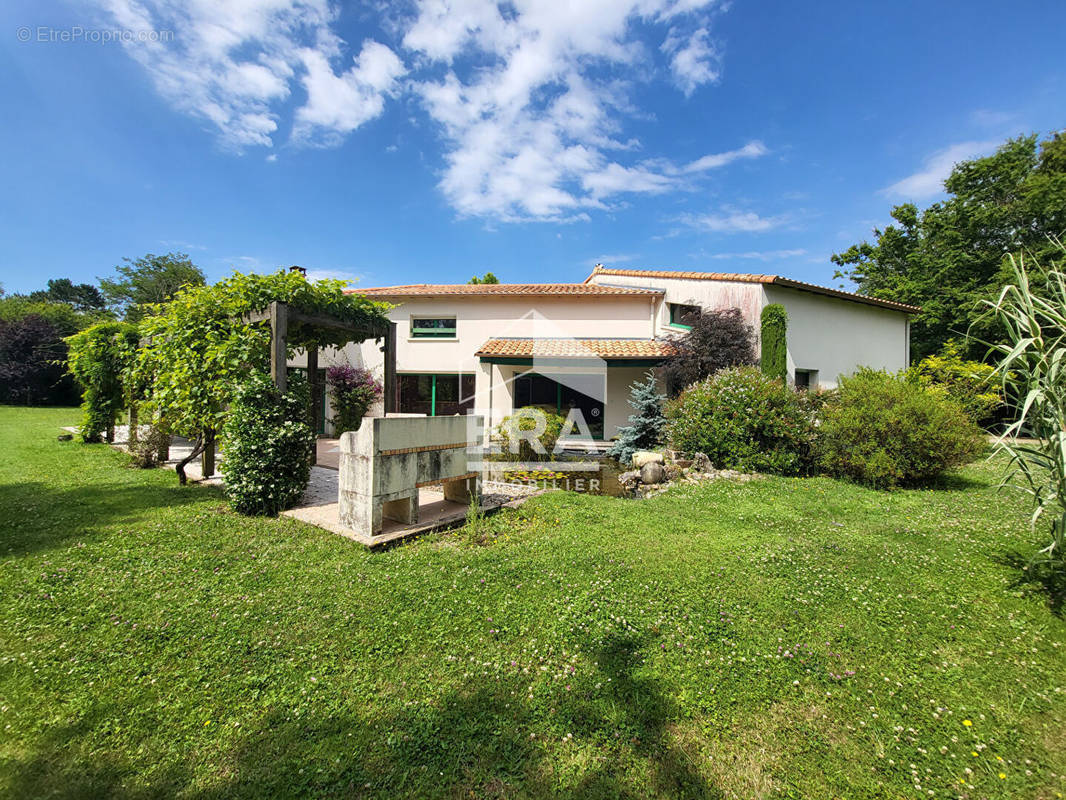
(642, 457)
(652, 472)
(700, 463)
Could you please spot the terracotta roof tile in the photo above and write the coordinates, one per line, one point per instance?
(497, 289)
(576, 348)
(741, 277)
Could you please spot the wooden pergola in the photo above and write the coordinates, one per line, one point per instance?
(285, 320)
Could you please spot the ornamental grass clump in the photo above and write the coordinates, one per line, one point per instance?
(267, 446)
(884, 430)
(1032, 372)
(745, 420)
(354, 391)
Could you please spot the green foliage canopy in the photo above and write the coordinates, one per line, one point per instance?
(82, 296)
(488, 277)
(952, 256)
(148, 281)
(197, 351)
(100, 358)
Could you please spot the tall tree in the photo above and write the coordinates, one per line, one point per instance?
(488, 277)
(148, 280)
(951, 256)
(83, 296)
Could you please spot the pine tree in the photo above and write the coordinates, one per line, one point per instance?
(645, 428)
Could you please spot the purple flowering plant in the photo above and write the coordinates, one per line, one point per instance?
(354, 391)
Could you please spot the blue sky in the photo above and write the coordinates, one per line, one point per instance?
(432, 141)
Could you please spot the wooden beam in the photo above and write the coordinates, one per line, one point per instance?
(390, 387)
(316, 400)
(279, 335)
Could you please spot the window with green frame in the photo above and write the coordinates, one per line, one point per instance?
(681, 315)
(436, 395)
(433, 327)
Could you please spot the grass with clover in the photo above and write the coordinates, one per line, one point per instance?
(780, 638)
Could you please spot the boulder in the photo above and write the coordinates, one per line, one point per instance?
(652, 472)
(629, 480)
(700, 462)
(642, 457)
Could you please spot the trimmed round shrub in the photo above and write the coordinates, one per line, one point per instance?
(884, 430)
(743, 419)
(267, 447)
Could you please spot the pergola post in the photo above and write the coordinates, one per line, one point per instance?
(390, 387)
(279, 335)
(316, 405)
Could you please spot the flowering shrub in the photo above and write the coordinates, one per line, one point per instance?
(354, 391)
(267, 446)
(884, 430)
(968, 383)
(743, 419)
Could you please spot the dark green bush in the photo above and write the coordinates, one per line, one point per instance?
(743, 419)
(266, 447)
(884, 430)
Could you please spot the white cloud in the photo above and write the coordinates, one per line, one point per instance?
(730, 220)
(613, 258)
(750, 150)
(338, 104)
(694, 60)
(761, 255)
(929, 180)
(333, 274)
(534, 129)
(530, 96)
(233, 63)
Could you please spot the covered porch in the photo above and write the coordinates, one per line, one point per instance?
(586, 380)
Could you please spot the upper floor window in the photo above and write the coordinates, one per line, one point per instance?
(681, 315)
(432, 327)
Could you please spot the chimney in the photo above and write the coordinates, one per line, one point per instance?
(301, 270)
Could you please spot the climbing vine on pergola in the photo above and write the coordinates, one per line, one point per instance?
(197, 350)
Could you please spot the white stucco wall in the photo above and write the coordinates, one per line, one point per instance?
(479, 319)
(711, 295)
(836, 336)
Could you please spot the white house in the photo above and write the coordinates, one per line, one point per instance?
(494, 348)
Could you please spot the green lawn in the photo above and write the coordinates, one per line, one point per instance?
(797, 638)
